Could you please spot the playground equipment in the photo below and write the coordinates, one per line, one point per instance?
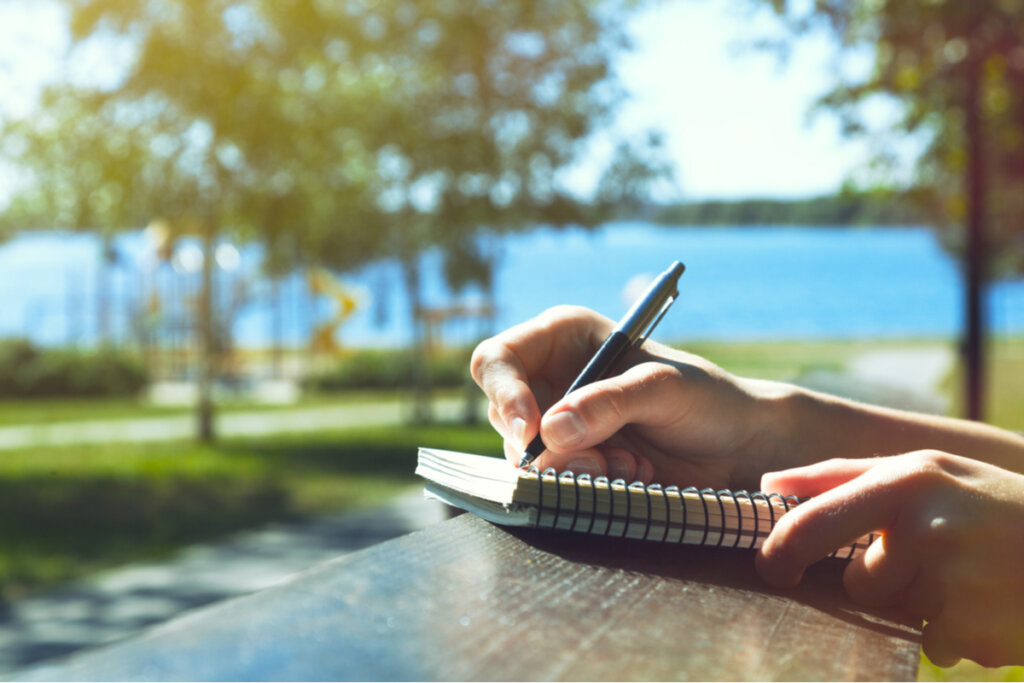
(321, 282)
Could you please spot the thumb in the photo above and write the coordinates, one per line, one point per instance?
(592, 414)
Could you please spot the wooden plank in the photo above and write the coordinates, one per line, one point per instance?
(465, 600)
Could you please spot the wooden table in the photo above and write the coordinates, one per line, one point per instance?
(465, 600)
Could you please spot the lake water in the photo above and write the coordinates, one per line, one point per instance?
(740, 284)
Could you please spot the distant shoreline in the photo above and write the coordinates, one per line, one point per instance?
(847, 209)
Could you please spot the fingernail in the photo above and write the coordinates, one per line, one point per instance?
(517, 427)
(565, 429)
(618, 468)
(585, 466)
(644, 470)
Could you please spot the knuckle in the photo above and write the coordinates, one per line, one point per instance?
(657, 373)
(482, 358)
(564, 312)
(556, 316)
(616, 402)
(504, 396)
(927, 470)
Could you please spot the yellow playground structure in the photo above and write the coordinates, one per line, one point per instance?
(321, 282)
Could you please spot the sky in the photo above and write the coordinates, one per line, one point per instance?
(735, 121)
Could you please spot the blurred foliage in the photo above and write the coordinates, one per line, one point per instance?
(389, 369)
(27, 371)
(931, 57)
(847, 208)
(335, 132)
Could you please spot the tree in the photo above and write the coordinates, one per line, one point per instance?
(335, 133)
(957, 69)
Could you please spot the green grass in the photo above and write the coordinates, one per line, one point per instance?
(48, 411)
(67, 512)
(1004, 395)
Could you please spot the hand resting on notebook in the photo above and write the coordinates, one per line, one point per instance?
(954, 524)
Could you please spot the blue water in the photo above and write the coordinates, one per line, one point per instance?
(740, 284)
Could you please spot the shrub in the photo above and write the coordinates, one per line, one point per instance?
(389, 369)
(29, 372)
(17, 356)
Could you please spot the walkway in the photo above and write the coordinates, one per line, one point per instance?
(905, 378)
(254, 423)
(117, 603)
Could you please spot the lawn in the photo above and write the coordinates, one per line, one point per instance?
(67, 512)
(47, 411)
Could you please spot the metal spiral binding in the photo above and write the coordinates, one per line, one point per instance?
(611, 512)
(668, 494)
(593, 500)
(674, 490)
(704, 504)
(771, 509)
(739, 514)
(657, 487)
(603, 481)
(721, 512)
(757, 521)
(566, 477)
(647, 496)
(550, 471)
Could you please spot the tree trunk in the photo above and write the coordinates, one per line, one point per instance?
(973, 348)
(207, 343)
(103, 290)
(276, 330)
(471, 408)
(420, 380)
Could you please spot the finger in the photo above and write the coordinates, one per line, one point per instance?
(592, 414)
(513, 409)
(815, 529)
(503, 366)
(882, 575)
(925, 596)
(621, 464)
(558, 342)
(585, 461)
(812, 480)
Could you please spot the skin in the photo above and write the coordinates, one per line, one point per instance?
(947, 495)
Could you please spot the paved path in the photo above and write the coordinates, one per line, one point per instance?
(118, 603)
(906, 378)
(917, 370)
(255, 423)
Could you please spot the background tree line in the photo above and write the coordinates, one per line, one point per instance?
(846, 208)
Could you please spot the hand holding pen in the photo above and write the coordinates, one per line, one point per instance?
(631, 332)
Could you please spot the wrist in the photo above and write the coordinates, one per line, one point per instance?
(773, 445)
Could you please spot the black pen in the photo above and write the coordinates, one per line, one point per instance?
(631, 331)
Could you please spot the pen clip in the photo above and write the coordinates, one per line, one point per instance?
(661, 314)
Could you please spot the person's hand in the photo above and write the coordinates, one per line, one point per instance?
(665, 413)
(951, 550)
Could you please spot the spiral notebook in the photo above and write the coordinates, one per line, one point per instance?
(494, 489)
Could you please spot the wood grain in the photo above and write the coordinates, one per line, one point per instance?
(466, 600)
